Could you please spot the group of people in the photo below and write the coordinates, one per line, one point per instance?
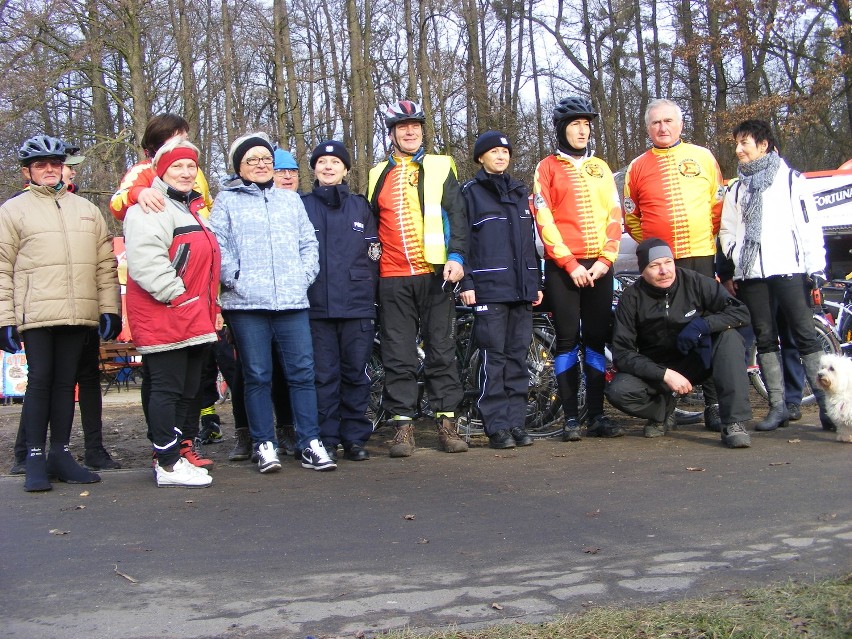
(289, 282)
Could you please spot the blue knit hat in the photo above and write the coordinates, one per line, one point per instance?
(284, 160)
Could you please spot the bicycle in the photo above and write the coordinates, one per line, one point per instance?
(543, 407)
(839, 313)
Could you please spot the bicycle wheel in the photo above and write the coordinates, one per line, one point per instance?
(376, 373)
(544, 410)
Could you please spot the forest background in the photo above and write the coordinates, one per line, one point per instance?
(93, 71)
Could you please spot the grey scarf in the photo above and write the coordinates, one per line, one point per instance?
(755, 177)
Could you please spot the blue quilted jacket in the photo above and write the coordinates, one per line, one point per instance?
(269, 250)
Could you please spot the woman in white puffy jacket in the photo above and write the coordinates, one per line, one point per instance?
(771, 233)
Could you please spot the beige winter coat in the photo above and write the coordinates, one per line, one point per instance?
(57, 266)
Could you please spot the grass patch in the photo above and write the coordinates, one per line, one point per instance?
(817, 610)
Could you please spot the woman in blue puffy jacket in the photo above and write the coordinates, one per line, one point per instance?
(269, 259)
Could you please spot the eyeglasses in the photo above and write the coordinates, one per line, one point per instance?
(287, 172)
(267, 160)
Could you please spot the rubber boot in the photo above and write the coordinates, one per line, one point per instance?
(773, 378)
(61, 464)
(36, 479)
(812, 366)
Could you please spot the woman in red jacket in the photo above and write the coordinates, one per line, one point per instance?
(172, 286)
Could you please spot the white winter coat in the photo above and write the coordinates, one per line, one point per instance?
(791, 238)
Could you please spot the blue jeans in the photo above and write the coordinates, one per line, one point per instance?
(255, 333)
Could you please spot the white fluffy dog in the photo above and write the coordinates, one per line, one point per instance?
(835, 378)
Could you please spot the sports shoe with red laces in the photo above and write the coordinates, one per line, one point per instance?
(191, 452)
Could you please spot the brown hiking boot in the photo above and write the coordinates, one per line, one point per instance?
(403, 442)
(448, 436)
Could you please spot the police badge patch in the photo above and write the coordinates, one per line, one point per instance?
(375, 251)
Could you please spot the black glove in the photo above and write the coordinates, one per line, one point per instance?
(690, 336)
(818, 279)
(10, 341)
(110, 326)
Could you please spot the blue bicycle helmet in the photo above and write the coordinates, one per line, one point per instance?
(40, 147)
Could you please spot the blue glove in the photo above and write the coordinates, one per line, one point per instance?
(691, 334)
(110, 326)
(10, 341)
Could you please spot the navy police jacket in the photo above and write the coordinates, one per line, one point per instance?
(349, 252)
(501, 264)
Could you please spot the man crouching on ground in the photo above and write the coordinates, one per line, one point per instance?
(675, 328)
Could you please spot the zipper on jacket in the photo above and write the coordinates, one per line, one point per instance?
(70, 271)
(271, 248)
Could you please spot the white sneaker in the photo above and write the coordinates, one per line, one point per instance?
(315, 456)
(182, 474)
(267, 458)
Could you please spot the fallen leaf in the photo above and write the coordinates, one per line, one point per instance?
(695, 469)
(827, 516)
(794, 441)
(85, 493)
(496, 606)
(56, 531)
(594, 513)
(779, 463)
(591, 550)
(409, 517)
(126, 576)
(422, 541)
(360, 634)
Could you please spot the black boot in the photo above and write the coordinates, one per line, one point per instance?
(36, 470)
(242, 449)
(773, 378)
(61, 464)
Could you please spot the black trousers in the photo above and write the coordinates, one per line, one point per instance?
(648, 399)
(784, 292)
(502, 332)
(575, 309)
(406, 305)
(341, 350)
(89, 394)
(175, 377)
(52, 357)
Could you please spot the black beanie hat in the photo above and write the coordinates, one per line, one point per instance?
(331, 147)
(652, 249)
(242, 145)
(490, 140)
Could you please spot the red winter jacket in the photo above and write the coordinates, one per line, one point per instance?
(172, 274)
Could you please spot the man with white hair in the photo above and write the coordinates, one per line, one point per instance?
(674, 192)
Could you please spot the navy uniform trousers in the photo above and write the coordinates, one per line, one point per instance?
(341, 350)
